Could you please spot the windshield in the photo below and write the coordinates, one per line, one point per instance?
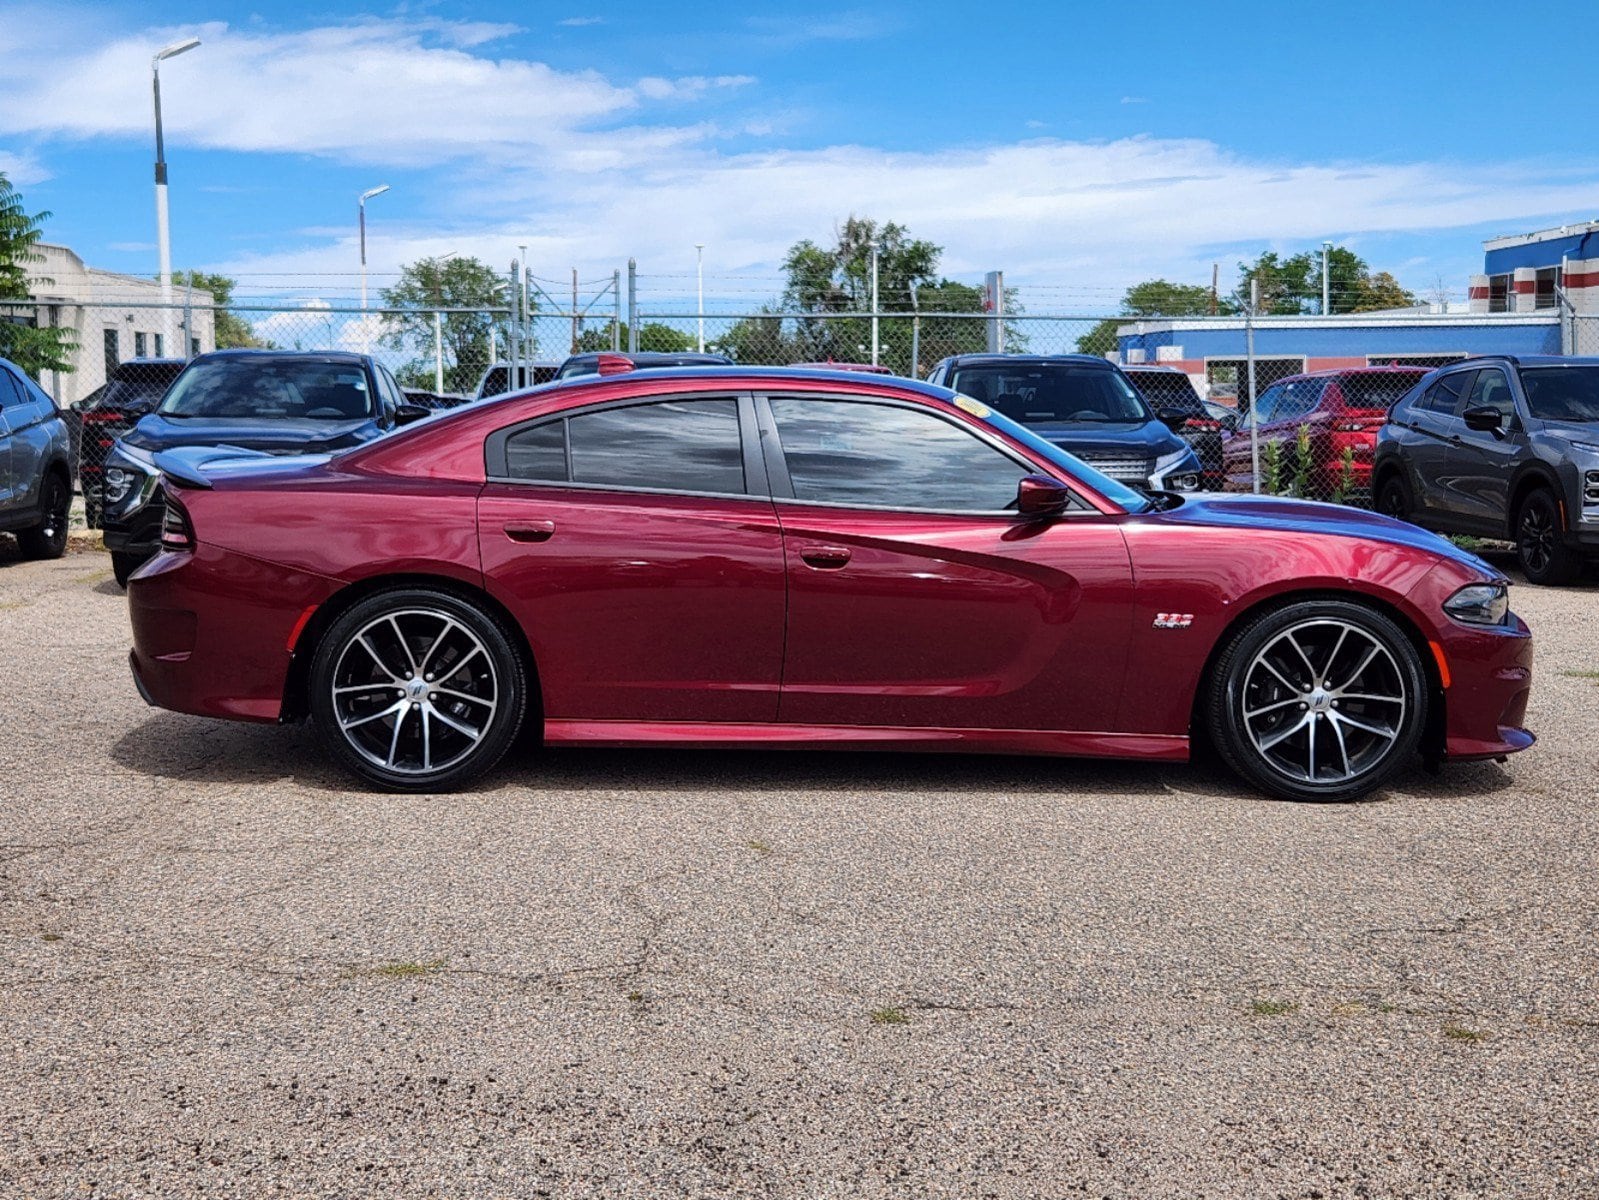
(1562, 393)
(1167, 389)
(1043, 393)
(1117, 493)
(142, 390)
(1378, 390)
(267, 389)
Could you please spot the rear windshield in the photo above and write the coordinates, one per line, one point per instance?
(1562, 393)
(1377, 391)
(1051, 393)
(138, 387)
(314, 391)
(1167, 389)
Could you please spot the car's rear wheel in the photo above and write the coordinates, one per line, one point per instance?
(1318, 700)
(48, 539)
(418, 690)
(1393, 498)
(1540, 543)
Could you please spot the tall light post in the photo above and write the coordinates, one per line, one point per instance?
(875, 344)
(360, 208)
(163, 236)
(438, 321)
(699, 271)
(1326, 279)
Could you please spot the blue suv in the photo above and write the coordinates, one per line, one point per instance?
(1084, 405)
(35, 466)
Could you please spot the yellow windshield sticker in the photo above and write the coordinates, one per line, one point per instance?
(975, 407)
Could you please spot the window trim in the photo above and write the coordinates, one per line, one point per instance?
(782, 491)
(497, 470)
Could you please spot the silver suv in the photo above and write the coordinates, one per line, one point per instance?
(1500, 447)
(35, 466)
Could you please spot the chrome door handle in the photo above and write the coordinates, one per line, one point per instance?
(530, 531)
(826, 558)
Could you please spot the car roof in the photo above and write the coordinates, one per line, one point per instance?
(1331, 372)
(1153, 367)
(1018, 359)
(719, 376)
(1529, 360)
(686, 356)
(338, 356)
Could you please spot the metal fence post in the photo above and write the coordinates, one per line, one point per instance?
(632, 305)
(438, 351)
(1249, 355)
(916, 334)
(616, 310)
(513, 335)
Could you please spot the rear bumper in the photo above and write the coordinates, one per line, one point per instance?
(211, 632)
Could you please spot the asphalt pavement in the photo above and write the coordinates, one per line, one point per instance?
(224, 971)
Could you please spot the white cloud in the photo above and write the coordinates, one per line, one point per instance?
(1135, 99)
(580, 22)
(22, 169)
(688, 87)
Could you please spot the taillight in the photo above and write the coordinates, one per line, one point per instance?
(1356, 426)
(1201, 425)
(177, 534)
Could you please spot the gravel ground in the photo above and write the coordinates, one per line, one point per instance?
(635, 974)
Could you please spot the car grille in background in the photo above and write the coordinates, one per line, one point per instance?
(1126, 468)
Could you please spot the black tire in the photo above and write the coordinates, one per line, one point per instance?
(48, 539)
(1540, 541)
(1393, 498)
(1252, 709)
(123, 565)
(467, 710)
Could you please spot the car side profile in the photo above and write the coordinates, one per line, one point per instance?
(747, 557)
(1501, 447)
(35, 466)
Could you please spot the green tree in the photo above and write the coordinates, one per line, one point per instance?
(1152, 298)
(1292, 285)
(233, 332)
(654, 337)
(445, 283)
(23, 340)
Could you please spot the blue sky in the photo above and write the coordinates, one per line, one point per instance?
(1078, 147)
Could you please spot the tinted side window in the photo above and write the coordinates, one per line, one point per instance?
(1444, 395)
(680, 446)
(1298, 399)
(11, 392)
(1492, 390)
(881, 456)
(1266, 404)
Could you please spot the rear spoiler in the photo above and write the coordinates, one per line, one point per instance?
(186, 465)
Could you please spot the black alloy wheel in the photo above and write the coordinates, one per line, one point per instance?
(48, 539)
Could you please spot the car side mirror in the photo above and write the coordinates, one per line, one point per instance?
(1483, 419)
(1041, 496)
(404, 414)
(1172, 418)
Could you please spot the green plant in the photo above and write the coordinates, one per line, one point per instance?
(408, 970)
(890, 1016)
(1271, 461)
(1459, 1033)
(1272, 1008)
(1346, 475)
(1301, 484)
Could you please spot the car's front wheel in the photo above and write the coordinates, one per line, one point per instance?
(1318, 700)
(418, 690)
(48, 539)
(1540, 544)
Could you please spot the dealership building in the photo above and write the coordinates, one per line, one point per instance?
(1514, 308)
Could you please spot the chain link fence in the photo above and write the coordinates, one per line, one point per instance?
(107, 362)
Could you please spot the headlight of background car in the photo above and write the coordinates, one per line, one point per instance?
(127, 472)
(1176, 472)
(119, 481)
(1479, 604)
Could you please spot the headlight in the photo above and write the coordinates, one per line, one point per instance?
(1176, 472)
(1479, 604)
(118, 483)
(1590, 489)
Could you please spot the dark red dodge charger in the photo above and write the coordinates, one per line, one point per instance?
(743, 557)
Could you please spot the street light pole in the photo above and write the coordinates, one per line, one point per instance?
(163, 234)
(360, 206)
(874, 305)
(699, 270)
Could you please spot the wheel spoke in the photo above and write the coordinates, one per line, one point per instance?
(1343, 747)
(396, 707)
(458, 726)
(1310, 755)
(394, 742)
(1291, 686)
(456, 670)
(437, 642)
(1370, 697)
(363, 687)
(1333, 657)
(405, 646)
(1364, 663)
(1252, 713)
(1379, 730)
(376, 658)
(467, 696)
(1283, 734)
(427, 741)
(1305, 658)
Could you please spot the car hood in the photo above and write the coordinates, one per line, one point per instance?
(1309, 516)
(1151, 438)
(1574, 431)
(156, 432)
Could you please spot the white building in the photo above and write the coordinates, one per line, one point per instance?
(114, 318)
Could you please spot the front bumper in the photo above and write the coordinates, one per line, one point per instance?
(1489, 682)
(137, 531)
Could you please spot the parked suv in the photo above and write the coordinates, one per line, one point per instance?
(274, 401)
(1170, 391)
(589, 362)
(1501, 447)
(502, 377)
(96, 422)
(1340, 412)
(1084, 405)
(35, 466)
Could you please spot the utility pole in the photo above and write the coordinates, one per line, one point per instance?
(1326, 280)
(874, 304)
(699, 271)
(1254, 411)
(574, 310)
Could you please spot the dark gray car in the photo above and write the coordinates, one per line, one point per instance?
(35, 466)
(1500, 447)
